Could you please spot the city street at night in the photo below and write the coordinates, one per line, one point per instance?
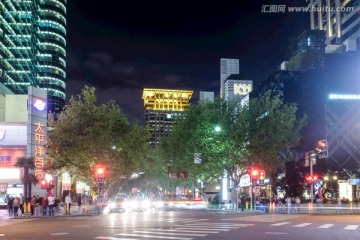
(184, 225)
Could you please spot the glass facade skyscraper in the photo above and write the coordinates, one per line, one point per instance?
(33, 47)
(228, 67)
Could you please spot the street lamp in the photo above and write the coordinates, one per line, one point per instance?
(217, 128)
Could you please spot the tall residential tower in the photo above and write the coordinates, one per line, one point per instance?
(33, 48)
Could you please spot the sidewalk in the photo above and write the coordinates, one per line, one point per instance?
(74, 211)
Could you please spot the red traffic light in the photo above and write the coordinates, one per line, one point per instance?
(311, 179)
(254, 173)
(100, 170)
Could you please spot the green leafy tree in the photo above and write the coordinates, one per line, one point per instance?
(256, 134)
(86, 134)
(27, 164)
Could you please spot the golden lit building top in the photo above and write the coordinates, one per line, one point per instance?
(166, 99)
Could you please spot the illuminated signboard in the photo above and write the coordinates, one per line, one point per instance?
(2, 134)
(39, 151)
(242, 89)
(37, 129)
(39, 104)
(344, 96)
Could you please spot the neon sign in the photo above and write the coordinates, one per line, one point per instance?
(39, 104)
(39, 138)
(242, 89)
(344, 96)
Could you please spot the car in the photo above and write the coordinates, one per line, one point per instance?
(117, 205)
(183, 202)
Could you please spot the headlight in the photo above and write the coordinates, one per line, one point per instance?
(112, 205)
(146, 203)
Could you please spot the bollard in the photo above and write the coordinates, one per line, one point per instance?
(67, 209)
(87, 207)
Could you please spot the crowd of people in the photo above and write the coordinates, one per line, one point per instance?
(37, 206)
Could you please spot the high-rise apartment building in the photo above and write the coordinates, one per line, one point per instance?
(33, 48)
(340, 19)
(228, 67)
(162, 108)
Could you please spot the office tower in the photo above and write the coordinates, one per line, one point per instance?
(206, 96)
(236, 89)
(227, 67)
(340, 20)
(33, 48)
(162, 108)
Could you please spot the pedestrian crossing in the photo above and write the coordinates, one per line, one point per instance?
(186, 231)
(189, 231)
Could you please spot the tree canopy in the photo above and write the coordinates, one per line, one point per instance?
(260, 133)
(86, 134)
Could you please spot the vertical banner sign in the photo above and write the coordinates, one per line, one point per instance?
(37, 129)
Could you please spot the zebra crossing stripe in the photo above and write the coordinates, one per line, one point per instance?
(151, 236)
(176, 234)
(183, 231)
(209, 229)
(279, 224)
(351, 227)
(302, 224)
(198, 220)
(326, 226)
(112, 238)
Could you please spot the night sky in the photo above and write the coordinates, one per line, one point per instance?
(121, 48)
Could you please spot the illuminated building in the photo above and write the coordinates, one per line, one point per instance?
(228, 67)
(23, 133)
(340, 19)
(33, 48)
(162, 108)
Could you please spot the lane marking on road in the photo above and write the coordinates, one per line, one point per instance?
(278, 233)
(176, 234)
(302, 225)
(183, 231)
(2, 234)
(150, 236)
(214, 226)
(279, 224)
(112, 238)
(59, 234)
(351, 227)
(326, 226)
(81, 226)
(221, 224)
(198, 220)
(210, 229)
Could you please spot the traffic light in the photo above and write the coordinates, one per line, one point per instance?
(100, 174)
(43, 184)
(254, 174)
(261, 177)
(311, 179)
(321, 149)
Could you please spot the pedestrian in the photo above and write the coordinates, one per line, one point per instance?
(242, 202)
(16, 205)
(51, 203)
(79, 202)
(279, 205)
(45, 206)
(37, 206)
(319, 205)
(288, 204)
(21, 203)
(297, 204)
(67, 204)
(32, 205)
(10, 206)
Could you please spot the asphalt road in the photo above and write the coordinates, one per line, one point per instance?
(184, 225)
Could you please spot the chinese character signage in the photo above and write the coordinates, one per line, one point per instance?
(37, 129)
